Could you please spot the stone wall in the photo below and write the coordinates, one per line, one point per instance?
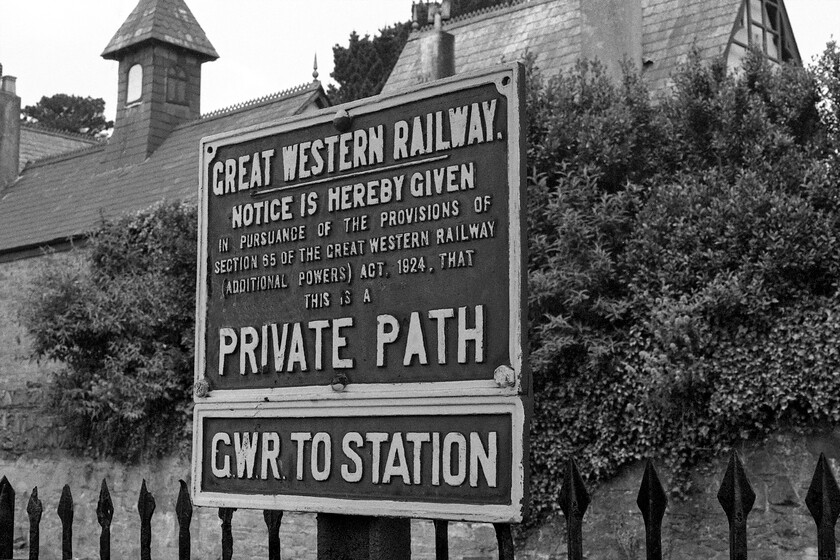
(50, 471)
(779, 527)
(25, 425)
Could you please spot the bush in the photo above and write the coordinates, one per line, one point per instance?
(120, 317)
(684, 264)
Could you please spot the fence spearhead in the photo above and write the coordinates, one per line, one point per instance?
(4, 483)
(65, 506)
(34, 508)
(7, 518)
(652, 500)
(736, 495)
(823, 498)
(146, 503)
(184, 507)
(574, 498)
(104, 507)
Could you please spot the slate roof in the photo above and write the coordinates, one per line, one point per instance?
(167, 21)
(550, 30)
(66, 196)
(671, 27)
(38, 142)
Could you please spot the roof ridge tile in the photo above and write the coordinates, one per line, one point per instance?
(61, 132)
(64, 155)
(474, 14)
(264, 99)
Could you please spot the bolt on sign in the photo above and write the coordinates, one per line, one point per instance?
(361, 308)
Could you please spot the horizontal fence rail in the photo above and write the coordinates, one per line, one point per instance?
(736, 497)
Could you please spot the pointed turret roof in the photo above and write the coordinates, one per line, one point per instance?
(166, 21)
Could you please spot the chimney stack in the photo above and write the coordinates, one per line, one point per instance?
(611, 32)
(437, 49)
(9, 130)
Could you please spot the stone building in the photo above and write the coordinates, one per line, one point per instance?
(654, 35)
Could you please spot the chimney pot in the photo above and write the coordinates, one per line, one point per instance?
(437, 55)
(9, 85)
(9, 131)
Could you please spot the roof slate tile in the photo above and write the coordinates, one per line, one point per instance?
(68, 196)
(169, 21)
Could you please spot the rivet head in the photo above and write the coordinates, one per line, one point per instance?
(504, 376)
(342, 120)
(202, 387)
(339, 382)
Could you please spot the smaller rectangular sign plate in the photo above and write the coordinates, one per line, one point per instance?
(430, 458)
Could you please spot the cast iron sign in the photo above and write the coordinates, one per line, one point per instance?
(352, 261)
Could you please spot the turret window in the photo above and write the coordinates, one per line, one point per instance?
(762, 24)
(176, 86)
(134, 91)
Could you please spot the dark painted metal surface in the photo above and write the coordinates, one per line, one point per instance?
(34, 509)
(65, 513)
(303, 483)
(7, 518)
(183, 511)
(104, 515)
(393, 288)
(652, 501)
(441, 539)
(273, 519)
(351, 537)
(146, 508)
(504, 538)
(574, 499)
(736, 496)
(823, 501)
(226, 515)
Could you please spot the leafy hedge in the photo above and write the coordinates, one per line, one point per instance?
(685, 258)
(121, 320)
(684, 268)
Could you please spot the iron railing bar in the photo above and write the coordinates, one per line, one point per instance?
(652, 502)
(146, 508)
(574, 499)
(104, 515)
(34, 509)
(273, 519)
(7, 518)
(226, 515)
(183, 512)
(441, 539)
(65, 513)
(504, 538)
(823, 501)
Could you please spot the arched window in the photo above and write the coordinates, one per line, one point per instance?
(135, 84)
(762, 24)
(176, 85)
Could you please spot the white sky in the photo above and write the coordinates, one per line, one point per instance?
(265, 46)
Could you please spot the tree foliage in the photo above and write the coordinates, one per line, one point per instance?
(73, 113)
(363, 66)
(120, 318)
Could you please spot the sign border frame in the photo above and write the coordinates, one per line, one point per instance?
(456, 511)
(517, 300)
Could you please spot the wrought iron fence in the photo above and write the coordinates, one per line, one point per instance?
(736, 497)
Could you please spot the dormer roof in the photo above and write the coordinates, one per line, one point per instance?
(165, 21)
